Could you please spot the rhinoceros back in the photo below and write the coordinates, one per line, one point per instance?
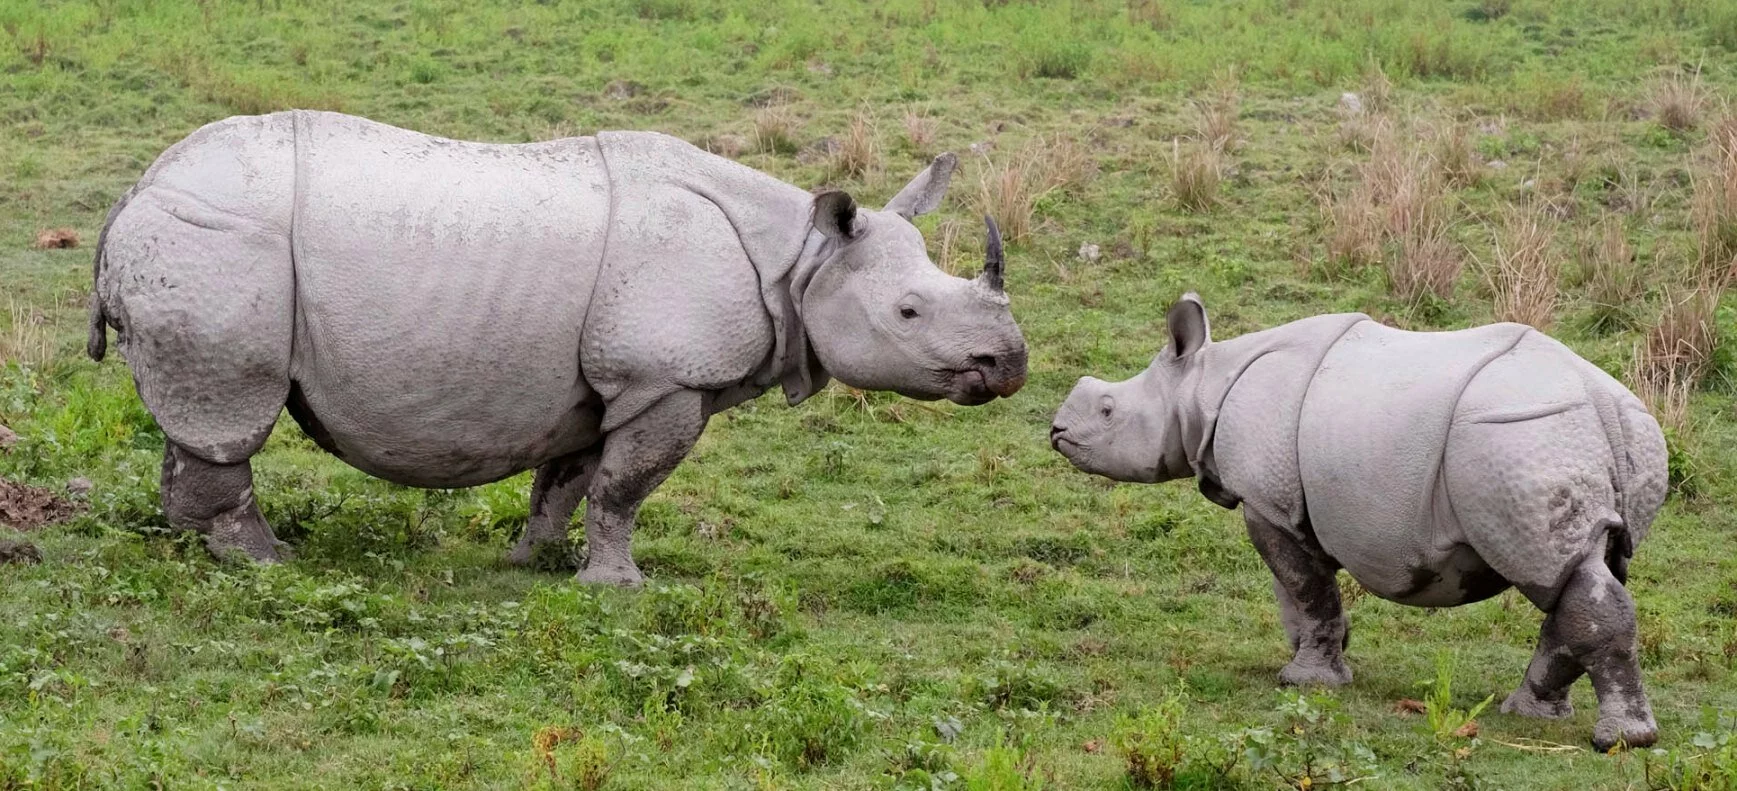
(440, 290)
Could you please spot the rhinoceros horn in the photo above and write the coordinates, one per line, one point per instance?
(992, 258)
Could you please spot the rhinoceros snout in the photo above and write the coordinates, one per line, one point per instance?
(1002, 374)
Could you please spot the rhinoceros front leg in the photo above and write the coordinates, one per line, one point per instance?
(637, 457)
(555, 493)
(216, 501)
(1305, 582)
(1593, 623)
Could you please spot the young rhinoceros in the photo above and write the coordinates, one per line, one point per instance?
(1437, 468)
(441, 313)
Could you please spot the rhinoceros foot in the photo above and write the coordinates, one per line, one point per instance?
(242, 534)
(611, 574)
(1630, 732)
(1527, 704)
(556, 556)
(1310, 673)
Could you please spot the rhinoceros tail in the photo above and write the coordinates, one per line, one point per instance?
(97, 345)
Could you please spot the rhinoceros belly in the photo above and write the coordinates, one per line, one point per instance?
(440, 290)
(1370, 443)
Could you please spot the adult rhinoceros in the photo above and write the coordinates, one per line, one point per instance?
(1438, 468)
(441, 313)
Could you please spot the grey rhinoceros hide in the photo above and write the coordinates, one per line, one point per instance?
(446, 313)
(1437, 468)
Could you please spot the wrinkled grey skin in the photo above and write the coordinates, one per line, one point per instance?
(1436, 468)
(441, 313)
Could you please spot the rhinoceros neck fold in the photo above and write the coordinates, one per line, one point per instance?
(1226, 362)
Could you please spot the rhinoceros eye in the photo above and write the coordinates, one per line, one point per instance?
(1106, 405)
(908, 312)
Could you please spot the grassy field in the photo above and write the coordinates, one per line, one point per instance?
(867, 592)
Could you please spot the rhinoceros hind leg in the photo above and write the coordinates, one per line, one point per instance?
(1554, 669)
(1306, 585)
(216, 501)
(555, 493)
(1594, 619)
(637, 457)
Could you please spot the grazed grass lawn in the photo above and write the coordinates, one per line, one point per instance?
(862, 592)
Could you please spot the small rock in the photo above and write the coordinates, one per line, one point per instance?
(1528, 184)
(56, 239)
(1496, 164)
(1089, 252)
(22, 553)
(80, 486)
(1351, 103)
(982, 147)
(8, 438)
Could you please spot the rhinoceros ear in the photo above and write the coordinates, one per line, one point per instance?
(1188, 328)
(835, 214)
(924, 193)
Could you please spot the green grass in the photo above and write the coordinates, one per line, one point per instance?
(856, 593)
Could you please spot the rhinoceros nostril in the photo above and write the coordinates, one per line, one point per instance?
(983, 361)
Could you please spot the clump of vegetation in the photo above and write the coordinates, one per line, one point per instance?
(1614, 282)
(1011, 190)
(921, 130)
(1523, 273)
(1714, 208)
(1195, 173)
(1676, 353)
(1152, 744)
(775, 129)
(1678, 100)
(1455, 159)
(857, 154)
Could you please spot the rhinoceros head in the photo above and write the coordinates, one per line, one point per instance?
(1132, 430)
(881, 316)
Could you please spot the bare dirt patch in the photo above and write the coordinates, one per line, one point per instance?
(30, 507)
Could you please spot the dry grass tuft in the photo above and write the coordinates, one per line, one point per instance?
(1195, 174)
(1677, 353)
(1410, 198)
(1678, 101)
(920, 132)
(1362, 131)
(1524, 271)
(56, 238)
(1377, 88)
(1397, 213)
(1215, 121)
(857, 155)
(27, 339)
(775, 129)
(1455, 159)
(1714, 209)
(1614, 283)
(1010, 190)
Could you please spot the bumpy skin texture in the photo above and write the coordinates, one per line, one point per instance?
(1436, 468)
(442, 313)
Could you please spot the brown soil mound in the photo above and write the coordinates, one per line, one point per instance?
(29, 507)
